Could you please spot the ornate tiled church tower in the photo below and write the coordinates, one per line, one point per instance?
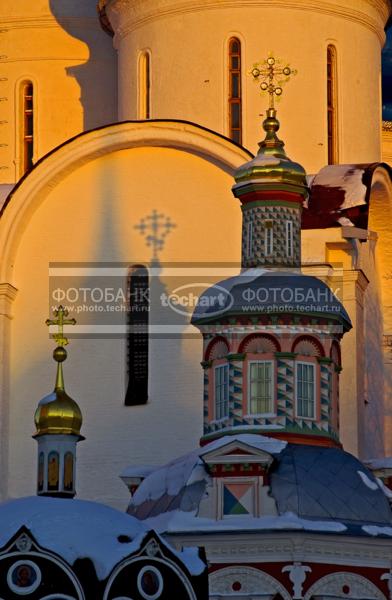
(272, 336)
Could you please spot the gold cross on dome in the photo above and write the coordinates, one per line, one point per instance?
(60, 313)
(267, 73)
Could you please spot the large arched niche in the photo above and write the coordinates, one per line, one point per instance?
(51, 170)
(344, 585)
(377, 264)
(248, 581)
(81, 205)
(380, 219)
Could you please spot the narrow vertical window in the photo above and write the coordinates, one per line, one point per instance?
(269, 238)
(27, 126)
(289, 238)
(332, 105)
(306, 390)
(68, 477)
(53, 471)
(249, 240)
(221, 384)
(260, 388)
(41, 471)
(235, 108)
(145, 86)
(137, 342)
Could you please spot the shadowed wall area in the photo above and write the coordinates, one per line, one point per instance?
(97, 77)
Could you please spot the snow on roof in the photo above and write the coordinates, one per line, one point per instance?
(188, 469)
(317, 484)
(372, 485)
(377, 530)
(138, 471)
(379, 463)
(348, 178)
(74, 529)
(260, 442)
(181, 522)
(324, 483)
(340, 191)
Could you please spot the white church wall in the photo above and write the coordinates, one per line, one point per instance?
(59, 47)
(188, 46)
(91, 216)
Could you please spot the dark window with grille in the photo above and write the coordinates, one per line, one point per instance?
(27, 126)
(332, 106)
(137, 340)
(235, 108)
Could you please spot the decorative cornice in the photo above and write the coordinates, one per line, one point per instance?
(254, 547)
(387, 126)
(143, 12)
(48, 21)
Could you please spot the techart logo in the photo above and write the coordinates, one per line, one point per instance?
(209, 300)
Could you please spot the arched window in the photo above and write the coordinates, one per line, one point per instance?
(332, 118)
(27, 126)
(260, 387)
(306, 375)
(145, 85)
(235, 103)
(221, 391)
(137, 341)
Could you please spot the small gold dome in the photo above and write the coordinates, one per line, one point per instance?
(57, 413)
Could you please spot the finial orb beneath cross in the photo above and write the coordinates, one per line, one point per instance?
(61, 315)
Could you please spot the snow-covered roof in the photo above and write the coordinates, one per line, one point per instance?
(339, 194)
(328, 483)
(314, 488)
(180, 521)
(78, 529)
(74, 529)
(181, 483)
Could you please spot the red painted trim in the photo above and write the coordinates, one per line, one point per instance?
(267, 195)
(236, 470)
(305, 439)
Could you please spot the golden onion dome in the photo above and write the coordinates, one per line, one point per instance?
(57, 413)
(271, 166)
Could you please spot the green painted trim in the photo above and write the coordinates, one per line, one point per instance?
(338, 369)
(206, 364)
(236, 356)
(247, 185)
(285, 354)
(324, 360)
